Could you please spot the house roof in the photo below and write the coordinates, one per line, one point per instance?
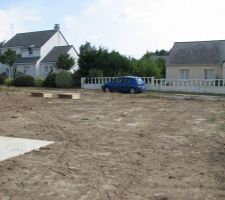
(27, 60)
(34, 39)
(56, 52)
(197, 53)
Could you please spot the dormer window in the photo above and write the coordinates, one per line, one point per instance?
(30, 50)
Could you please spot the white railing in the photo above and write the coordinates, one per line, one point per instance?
(188, 85)
(190, 82)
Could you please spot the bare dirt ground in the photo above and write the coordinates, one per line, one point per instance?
(114, 146)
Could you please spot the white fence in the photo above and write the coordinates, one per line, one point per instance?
(216, 86)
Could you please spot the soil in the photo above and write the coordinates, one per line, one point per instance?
(114, 146)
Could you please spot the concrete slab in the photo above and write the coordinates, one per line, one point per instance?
(11, 147)
(41, 94)
(69, 95)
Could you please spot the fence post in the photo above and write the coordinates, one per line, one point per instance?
(153, 81)
(82, 82)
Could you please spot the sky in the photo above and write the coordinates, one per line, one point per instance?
(131, 27)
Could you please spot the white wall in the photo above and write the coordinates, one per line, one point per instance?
(43, 73)
(56, 40)
(29, 68)
(196, 72)
(17, 49)
(194, 89)
(3, 68)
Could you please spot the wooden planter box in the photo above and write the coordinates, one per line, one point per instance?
(69, 96)
(41, 94)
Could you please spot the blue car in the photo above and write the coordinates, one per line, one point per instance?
(129, 84)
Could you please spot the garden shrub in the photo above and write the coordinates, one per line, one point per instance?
(24, 81)
(76, 79)
(64, 80)
(39, 82)
(8, 82)
(2, 78)
(50, 80)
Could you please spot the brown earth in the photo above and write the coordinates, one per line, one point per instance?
(114, 146)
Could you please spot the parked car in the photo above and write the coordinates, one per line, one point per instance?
(129, 84)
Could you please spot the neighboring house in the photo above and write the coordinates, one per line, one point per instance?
(37, 52)
(196, 60)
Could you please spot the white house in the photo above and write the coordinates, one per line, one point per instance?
(37, 52)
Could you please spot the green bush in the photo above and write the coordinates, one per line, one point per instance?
(64, 80)
(39, 82)
(50, 80)
(24, 81)
(2, 78)
(8, 82)
(76, 79)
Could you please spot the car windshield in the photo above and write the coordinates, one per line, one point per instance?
(117, 80)
(139, 80)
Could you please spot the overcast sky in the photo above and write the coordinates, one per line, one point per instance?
(129, 26)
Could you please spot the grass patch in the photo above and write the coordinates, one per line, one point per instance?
(211, 119)
(84, 119)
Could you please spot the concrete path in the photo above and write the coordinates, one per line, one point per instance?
(11, 147)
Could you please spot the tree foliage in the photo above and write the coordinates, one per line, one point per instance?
(65, 62)
(100, 61)
(8, 57)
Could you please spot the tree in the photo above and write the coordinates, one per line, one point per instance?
(8, 58)
(161, 64)
(65, 62)
(91, 58)
(146, 67)
(100, 61)
(162, 52)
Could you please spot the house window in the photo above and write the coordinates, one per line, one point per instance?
(46, 69)
(209, 74)
(184, 74)
(30, 50)
(51, 69)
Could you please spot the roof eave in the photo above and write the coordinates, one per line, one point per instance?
(187, 64)
(48, 62)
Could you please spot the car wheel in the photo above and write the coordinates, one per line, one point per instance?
(132, 91)
(107, 89)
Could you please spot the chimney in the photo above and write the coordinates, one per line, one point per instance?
(57, 27)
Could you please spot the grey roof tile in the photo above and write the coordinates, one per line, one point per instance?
(194, 53)
(27, 60)
(26, 40)
(56, 52)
